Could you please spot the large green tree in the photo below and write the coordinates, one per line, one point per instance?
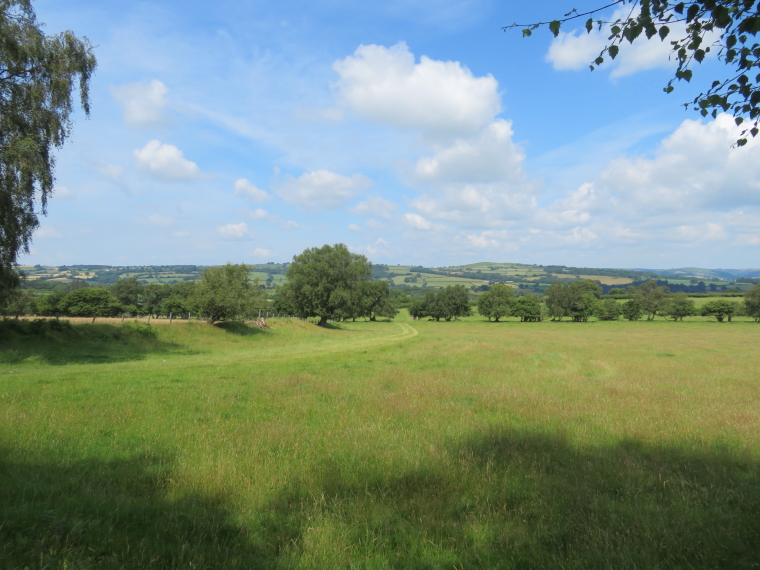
(652, 298)
(38, 74)
(732, 24)
(325, 282)
(90, 302)
(225, 294)
(497, 303)
(752, 302)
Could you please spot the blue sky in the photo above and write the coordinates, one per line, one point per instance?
(413, 131)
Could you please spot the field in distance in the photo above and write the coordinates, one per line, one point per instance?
(407, 444)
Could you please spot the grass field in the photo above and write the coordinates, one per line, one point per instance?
(381, 445)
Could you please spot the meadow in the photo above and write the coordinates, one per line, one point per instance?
(406, 444)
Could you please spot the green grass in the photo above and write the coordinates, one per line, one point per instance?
(381, 445)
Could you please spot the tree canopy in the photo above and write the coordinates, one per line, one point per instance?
(735, 24)
(225, 294)
(38, 74)
(325, 282)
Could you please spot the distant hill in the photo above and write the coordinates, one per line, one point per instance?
(701, 272)
(476, 277)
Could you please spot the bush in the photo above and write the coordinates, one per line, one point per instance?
(632, 310)
(720, 310)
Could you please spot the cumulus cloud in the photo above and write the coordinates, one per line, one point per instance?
(417, 222)
(374, 206)
(166, 162)
(233, 231)
(245, 188)
(491, 156)
(577, 49)
(354, 227)
(62, 193)
(321, 190)
(476, 182)
(144, 103)
(440, 98)
(697, 167)
(261, 252)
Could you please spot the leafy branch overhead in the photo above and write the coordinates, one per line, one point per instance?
(735, 24)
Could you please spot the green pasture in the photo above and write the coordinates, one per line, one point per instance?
(406, 444)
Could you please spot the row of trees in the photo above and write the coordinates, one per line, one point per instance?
(580, 300)
(223, 293)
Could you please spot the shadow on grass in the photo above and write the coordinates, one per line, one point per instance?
(512, 500)
(58, 342)
(112, 514)
(239, 328)
(495, 500)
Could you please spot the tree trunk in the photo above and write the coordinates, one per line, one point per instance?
(322, 321)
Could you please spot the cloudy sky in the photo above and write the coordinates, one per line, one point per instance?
(414, 131)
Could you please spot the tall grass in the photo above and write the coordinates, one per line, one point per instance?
(382, 445)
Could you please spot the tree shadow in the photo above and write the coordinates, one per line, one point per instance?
(502, 499)
(91, 514)
(59, 342)
(516, 500)
(240, 328)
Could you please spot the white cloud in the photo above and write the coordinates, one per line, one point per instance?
(489, 157)
(261, 214)
(441, 98)
(418, 222)
(181, 234)
(144, 103)
(354, 227)
(233, 231)
(160, 221)
(112, 171)
(47, 232)
(245, 188)
(374, 206)
(62, 193)
(260, 252)
(577, 49)
(166, 162)
(321, 190)
(695, 168)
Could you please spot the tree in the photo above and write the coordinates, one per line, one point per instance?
(497, 303)
(528, 309)
(607, 310)
(127, 291)
(679, 306)
(417, 310)
(736, 24)
(225, 294)
(752, 302)
(18, 302)
(720, 310)
(618, 291)
(323, 282)
(632, 310)
(90, 302)
(558, 300)
(38, 74)
(652, 298)
(455, 302)
(584, 296)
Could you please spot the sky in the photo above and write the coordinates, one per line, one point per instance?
(413, 131)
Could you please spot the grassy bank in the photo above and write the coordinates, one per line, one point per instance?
(381, 445)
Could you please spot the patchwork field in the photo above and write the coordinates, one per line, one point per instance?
(381, 445)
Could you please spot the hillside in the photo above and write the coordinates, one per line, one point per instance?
(474, 276)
